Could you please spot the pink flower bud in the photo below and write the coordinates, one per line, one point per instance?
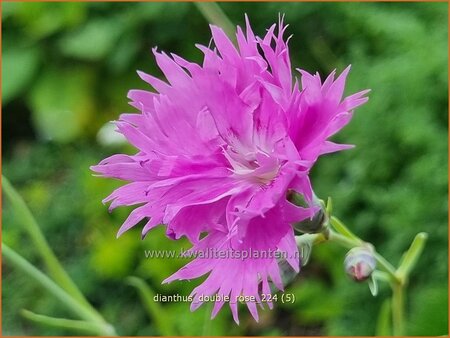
(359, 263)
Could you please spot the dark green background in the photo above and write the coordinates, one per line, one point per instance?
(66, 69)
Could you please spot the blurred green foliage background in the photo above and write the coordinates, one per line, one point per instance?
(66, 69)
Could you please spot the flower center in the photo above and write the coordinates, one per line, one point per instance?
(257, 166)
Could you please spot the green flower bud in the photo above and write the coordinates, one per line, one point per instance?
(359, 263)
(318, 223)
(313, 226)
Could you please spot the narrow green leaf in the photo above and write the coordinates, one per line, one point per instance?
(411, 256)
(305, 252)
(216, 16)
(329, 207)
(373, 285)
(56, 271)
(382, 276)
(64, 323)
(154, 310)
(22, 264)
(383, 327)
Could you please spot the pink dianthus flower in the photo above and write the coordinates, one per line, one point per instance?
(220, 145)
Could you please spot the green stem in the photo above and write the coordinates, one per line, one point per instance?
(384, 327)
(343, 240)
(351, 243)
(397, 278)
(396, 282)
(398, 314)
(347, 242)
(388, 267)
(71, 303)
(340, 227)
(310, 238)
